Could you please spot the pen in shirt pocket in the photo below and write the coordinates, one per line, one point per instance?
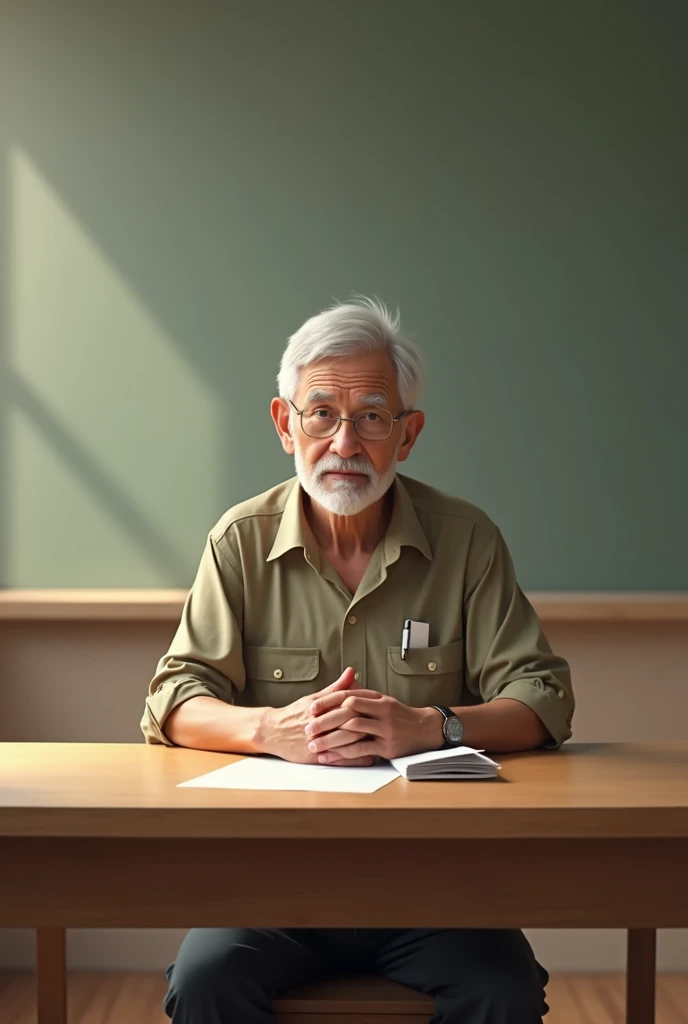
(414, 634)
(405, 638)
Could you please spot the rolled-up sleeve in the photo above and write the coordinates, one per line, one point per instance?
(205, 657)
(507, 653)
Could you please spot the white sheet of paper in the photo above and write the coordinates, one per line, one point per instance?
(272, 773)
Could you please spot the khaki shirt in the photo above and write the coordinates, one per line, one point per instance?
(268, 619)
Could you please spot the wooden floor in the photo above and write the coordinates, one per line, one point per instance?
(97, 998)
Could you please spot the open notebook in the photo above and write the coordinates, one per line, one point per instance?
(456, 763)
(272, 773)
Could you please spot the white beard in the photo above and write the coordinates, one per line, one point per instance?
(344, 497)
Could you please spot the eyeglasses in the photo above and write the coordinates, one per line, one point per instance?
(372, 425)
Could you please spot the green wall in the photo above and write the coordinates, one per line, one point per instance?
(183, 184)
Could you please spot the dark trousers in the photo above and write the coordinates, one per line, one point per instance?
(232, 975)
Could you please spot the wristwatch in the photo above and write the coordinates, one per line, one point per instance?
(452, 727)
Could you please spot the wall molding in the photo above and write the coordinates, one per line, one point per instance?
(141, 605)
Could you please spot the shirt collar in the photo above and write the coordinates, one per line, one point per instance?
(294, 531)
(404, 528)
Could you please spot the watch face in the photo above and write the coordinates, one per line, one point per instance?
(453, 730)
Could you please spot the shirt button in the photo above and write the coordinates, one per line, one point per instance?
(561, 694)
(357, 676)
(432, 665)
(278, 673)
(352, 620)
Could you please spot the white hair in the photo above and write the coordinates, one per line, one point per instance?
(363, 325)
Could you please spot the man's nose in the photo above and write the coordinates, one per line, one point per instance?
(346, 441)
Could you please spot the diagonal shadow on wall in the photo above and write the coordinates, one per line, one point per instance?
(93, 377)
(169, 560)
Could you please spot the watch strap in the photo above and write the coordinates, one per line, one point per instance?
(447, 712)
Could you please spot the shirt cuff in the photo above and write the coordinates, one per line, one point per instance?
(168, 696)
(551, 704)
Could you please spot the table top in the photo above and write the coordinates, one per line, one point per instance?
(130, 791)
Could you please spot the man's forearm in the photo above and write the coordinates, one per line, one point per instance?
(500, 726)
(205, 723)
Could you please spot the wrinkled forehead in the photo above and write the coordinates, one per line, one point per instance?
(369, 378)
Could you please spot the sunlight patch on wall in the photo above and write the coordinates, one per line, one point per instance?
(61, 536)
(138, 435)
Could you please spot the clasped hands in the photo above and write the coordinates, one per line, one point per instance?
(348, 724)
(348, 727)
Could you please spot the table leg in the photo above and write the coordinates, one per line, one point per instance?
(51, 975)
(641, 975)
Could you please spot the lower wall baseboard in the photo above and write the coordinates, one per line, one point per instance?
(153, 949)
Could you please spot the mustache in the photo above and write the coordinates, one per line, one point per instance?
(333, 464)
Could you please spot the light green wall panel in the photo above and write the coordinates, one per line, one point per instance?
(181, 185)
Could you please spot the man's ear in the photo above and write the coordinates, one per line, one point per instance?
(279, 410)
(413, 424)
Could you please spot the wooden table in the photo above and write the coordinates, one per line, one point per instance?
(98, 835)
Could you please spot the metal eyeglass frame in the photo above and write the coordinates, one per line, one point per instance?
(348, 419)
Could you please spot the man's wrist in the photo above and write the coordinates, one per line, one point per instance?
(263, 731)
(433, 728)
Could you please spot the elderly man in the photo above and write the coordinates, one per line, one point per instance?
(289, 644)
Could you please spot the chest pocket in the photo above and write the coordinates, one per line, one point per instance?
(427, 676)
(276, 676)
